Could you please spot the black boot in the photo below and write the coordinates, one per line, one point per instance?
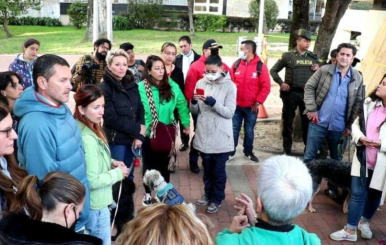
(194, 167)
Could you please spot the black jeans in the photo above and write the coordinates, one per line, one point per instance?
(154, 160)
(291, 101)
(193, 154)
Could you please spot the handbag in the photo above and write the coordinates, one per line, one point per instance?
(162, 136)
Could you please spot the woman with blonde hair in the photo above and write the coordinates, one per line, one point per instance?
(165, 225)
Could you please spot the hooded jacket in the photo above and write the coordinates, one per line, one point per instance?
(24, 69)
(20, 229)
(259, 236)
(214, 132)
(50, 140)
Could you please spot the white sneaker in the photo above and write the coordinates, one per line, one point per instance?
(365, 230)
(342, 235)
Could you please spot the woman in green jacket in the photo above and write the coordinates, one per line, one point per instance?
(102, 171)
(167, 97)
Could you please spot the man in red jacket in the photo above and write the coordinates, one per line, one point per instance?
(196, 72)
(253, 86)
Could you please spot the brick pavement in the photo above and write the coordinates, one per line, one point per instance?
(328, 218)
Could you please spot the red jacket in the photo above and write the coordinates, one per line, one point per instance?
(196, 72)
(251, 88)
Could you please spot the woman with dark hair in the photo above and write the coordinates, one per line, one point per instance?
(102, 171)
(124, 122)
(166, 97)
(24, 63)
(10, 88)
(53, 206)
(215, 103)
(368, 170)
(10, 172)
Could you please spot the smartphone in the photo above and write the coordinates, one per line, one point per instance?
(200, 91)
(315, 121)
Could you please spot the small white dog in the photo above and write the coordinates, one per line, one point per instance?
(165, 192)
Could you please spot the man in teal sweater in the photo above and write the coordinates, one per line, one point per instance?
(284, 188)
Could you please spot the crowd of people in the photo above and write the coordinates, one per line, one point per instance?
(59, 161)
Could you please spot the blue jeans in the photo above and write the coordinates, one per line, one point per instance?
(316, 135)
(125, 154)
(98, 224)
(250, 119)
(215, 176)
(364, 201)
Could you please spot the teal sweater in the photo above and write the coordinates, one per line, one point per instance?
(258, 236)
(165, 109)
(100, 176)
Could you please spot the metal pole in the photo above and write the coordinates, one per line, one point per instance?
(109, 21)
(315, 1)
(260, 29)
(95, 29)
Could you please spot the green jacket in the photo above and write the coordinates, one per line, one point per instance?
(100, 176)
(165, 109)
(258, 236)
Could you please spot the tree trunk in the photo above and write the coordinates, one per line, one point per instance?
(265, 26)
(5, 24)
(89, 30)
(300, 19)
(190, 12)
(102, 18)
(335, 10)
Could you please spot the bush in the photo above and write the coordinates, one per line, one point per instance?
(145, 15)
(121, 23)
(209, 22)
(361, 5)
(78, 14)
(34, 21)
(238, 23)
(271, 11)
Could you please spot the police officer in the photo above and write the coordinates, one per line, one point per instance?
(300, 64)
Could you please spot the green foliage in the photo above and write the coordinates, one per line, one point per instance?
(209, 22)
(121, 23)
(78, 14)
(33, 21)
(271, 11)
(145, 14)
(16, 7)
(238, 23)
(361, 5)
(285, 25)
(170, 22)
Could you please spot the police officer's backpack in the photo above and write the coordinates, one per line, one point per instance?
(259, 66)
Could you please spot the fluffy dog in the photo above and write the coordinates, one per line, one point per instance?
(335, 172)
(126, 204)
(165, 192)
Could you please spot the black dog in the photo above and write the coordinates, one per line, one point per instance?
(126, 204)
(335, 172)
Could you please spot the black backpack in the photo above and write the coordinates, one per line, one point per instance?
(259, 66)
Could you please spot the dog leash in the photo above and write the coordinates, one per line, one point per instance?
(119, 198)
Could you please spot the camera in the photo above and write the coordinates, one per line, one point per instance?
(87, 68)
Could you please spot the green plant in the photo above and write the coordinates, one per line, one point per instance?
(78, 14)
(121, 23)
(361, 5)
(209, 22)
(34, 21)
(271, 11)
(145, 14)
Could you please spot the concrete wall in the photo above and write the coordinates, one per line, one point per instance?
(283, 6)
(239, 8)
(50, 8)
(372, 24)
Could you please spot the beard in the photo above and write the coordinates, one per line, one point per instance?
(100, 56)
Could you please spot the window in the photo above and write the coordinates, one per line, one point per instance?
(213, 9)
(200, 8)
(208, 7)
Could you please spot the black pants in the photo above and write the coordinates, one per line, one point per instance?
(154, 160)
(291, 101)
(193, 154)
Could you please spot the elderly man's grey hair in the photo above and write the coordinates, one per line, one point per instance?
(285, 187)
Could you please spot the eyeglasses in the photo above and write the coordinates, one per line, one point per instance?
(104, 47)
(7, 131)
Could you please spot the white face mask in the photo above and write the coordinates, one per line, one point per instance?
(212, 77)
(242, 55)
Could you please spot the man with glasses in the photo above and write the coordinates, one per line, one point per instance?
(89, 68)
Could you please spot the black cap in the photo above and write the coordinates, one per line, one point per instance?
(355, 61)
(211, 43)
(304, 33)
(126, 46)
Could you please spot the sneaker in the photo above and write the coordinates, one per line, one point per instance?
(212, 208)
(231, 156)
(252, 157)
(342, 235)
(365, 230)
(194, 167)
(184, 147)
(146, 201)
(203, 201)
(333, 194)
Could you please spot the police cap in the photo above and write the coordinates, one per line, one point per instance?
(304, 33)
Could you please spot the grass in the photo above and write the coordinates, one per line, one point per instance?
(68, 40)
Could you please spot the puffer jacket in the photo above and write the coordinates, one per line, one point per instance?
(251, 87)
(50, 140)
(124, 111)
(214, 132)
(24, 69)
(317, 87)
